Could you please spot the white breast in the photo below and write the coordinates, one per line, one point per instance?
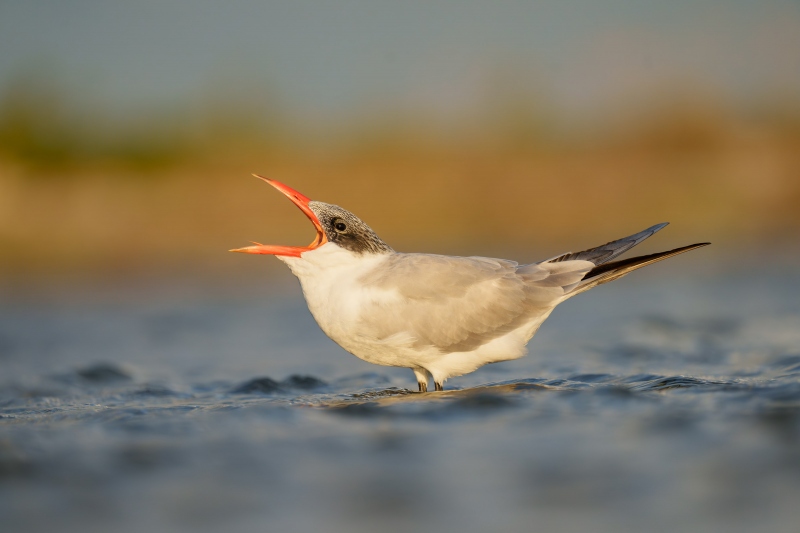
(330, 277)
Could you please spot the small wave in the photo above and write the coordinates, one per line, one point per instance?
(104, 373)
(676, 382)
(383, 393)
(592, 378)
(787, 363)
(97, 374)
(154, 391)
(267, 385)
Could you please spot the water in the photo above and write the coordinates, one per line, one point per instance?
(653, 403)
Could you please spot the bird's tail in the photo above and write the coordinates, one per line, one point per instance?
(603, 273)
(606, 252)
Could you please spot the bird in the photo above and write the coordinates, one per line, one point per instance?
(440, 316)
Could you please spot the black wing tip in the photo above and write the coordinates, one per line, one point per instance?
(676, 251)
(628, 265)
(693, 246)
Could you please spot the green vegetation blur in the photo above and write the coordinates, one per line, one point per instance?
(84, 190)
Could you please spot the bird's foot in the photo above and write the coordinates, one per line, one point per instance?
(438, 386)
(423, 387)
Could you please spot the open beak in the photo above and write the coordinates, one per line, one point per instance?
(293, 251)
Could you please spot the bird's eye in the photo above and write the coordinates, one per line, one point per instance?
(340, 226)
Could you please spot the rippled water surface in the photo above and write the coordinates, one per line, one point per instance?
(653, 403)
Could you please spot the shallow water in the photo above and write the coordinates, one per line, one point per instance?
(665, 403)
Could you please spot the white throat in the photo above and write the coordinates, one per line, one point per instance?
(329, 259)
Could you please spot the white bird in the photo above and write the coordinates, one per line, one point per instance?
(438, 315)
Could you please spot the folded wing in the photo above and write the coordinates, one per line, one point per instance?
(457, 304)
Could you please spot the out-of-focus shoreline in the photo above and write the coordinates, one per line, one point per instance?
(715, 176)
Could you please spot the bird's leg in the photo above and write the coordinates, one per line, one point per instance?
(422, 376)
(438, 386)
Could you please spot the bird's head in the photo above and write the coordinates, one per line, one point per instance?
(332, 223)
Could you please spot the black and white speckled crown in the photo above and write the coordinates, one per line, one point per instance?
(344, 229)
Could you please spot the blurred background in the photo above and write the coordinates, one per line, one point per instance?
(128, 131)
(152, 381)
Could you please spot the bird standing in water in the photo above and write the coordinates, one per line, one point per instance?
(438, 315)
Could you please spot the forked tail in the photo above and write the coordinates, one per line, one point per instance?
(606, 269)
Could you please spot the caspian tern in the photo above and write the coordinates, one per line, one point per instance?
(438, 315)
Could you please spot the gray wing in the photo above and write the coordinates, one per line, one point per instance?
(608, 251)
(460, 303)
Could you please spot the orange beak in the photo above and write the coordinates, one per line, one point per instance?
(293, 251)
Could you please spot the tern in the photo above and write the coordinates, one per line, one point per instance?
(440, 316)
